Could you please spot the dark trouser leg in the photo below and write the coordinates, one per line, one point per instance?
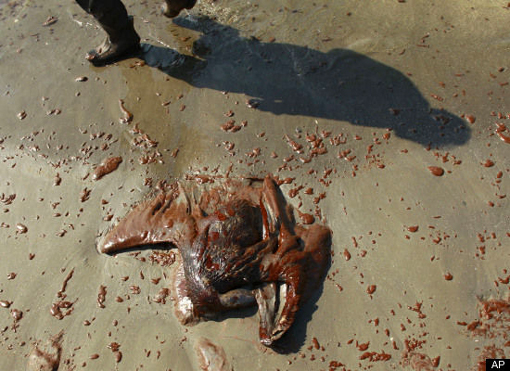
(84, 4)
(122, 37)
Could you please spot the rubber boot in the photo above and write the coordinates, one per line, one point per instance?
(122, 40)
(172, 8)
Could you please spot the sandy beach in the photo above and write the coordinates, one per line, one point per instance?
(388, 121)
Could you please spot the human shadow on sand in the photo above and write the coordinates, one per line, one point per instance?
(295, 80)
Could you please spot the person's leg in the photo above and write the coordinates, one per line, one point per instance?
(84, 4)
(122, 38)
(172, 8)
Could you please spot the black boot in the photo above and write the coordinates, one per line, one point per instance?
(122, 40)
(172, 8)
(118, 45)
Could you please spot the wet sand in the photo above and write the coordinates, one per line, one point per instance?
(385, 119)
